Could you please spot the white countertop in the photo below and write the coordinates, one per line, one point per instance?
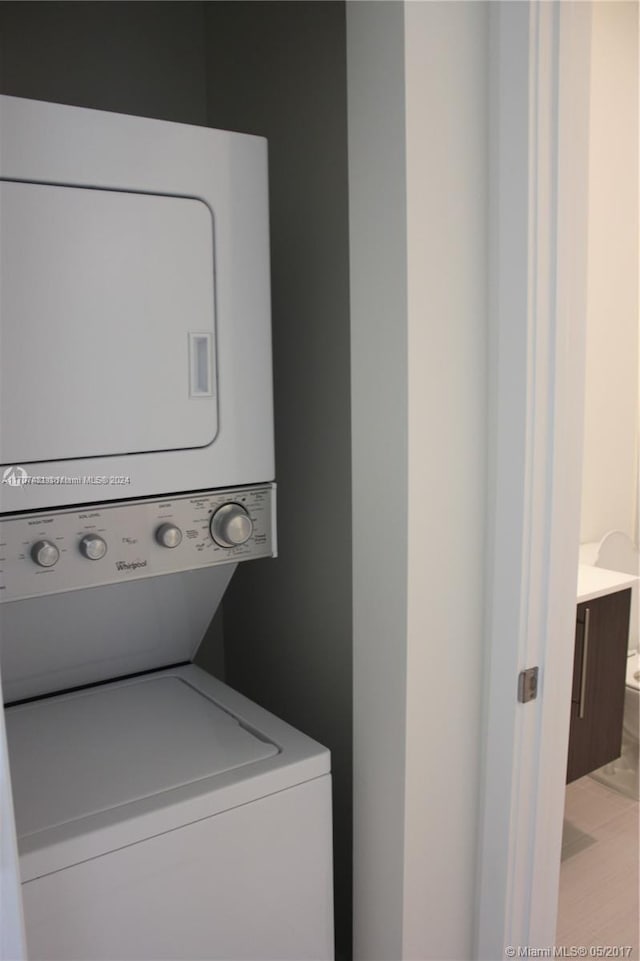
(597, 581)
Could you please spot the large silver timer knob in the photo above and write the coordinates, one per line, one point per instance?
(93, 547)
(45, 554)
(168, 535)
(231, 525)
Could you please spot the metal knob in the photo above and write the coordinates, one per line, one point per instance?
(231, 526)
(45, 554)
(168, 535)
(93, 547)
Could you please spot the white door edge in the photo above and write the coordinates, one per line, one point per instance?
(538, 208)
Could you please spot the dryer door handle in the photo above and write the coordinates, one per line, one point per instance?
(200, 364)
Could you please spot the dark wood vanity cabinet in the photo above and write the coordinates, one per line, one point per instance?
(597, 696)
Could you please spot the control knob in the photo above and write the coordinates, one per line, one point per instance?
(45, 554)
(93, 547)
(231, 525)
(168, 535)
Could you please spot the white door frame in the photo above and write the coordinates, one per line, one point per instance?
(538, 204)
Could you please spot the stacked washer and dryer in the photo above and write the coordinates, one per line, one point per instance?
(159, 814)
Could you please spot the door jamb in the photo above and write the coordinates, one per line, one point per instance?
(539, 93)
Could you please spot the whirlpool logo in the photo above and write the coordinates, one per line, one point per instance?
(130, 565)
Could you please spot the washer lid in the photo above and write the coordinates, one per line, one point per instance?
(79, 754)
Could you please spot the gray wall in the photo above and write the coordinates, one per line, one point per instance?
(276, 69)
(137, 58)
(279, 69)
(379, 376)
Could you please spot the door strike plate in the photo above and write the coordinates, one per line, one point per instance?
(528, 685)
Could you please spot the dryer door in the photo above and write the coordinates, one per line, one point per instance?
(107, 323)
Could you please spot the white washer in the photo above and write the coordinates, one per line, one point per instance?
(169, 817)
(161, 815)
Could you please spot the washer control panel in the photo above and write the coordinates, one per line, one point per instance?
(66, 550)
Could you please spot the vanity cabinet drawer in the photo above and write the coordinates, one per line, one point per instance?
(597, 696)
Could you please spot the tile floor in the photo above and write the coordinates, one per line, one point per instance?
(599, 898)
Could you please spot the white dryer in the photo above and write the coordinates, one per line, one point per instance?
(134, 307)
(159, 814)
